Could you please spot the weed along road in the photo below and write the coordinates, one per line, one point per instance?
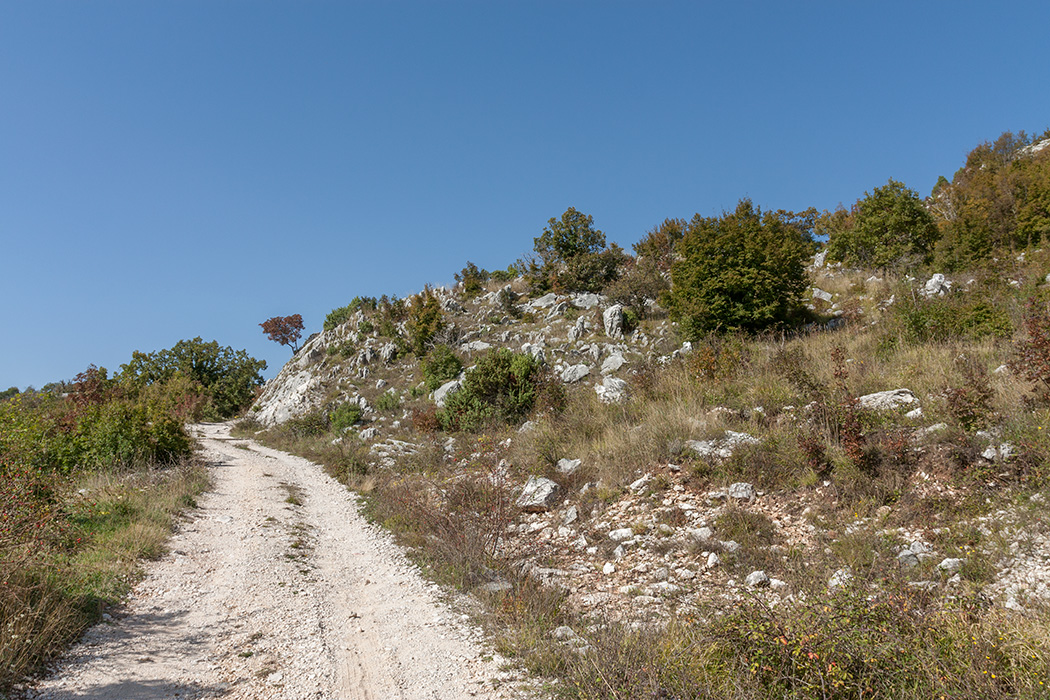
(276, 587)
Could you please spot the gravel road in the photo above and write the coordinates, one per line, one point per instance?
(277, 588)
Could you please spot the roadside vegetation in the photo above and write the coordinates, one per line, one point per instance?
(781, 351)
(93, 472)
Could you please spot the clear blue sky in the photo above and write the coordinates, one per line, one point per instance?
(184, 168)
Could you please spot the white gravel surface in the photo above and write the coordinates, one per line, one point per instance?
(262, 598)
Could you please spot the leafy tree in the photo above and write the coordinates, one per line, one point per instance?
(743, 271)
(425, 320)
(473, 279)
(889, 227)
(228, 377)
(659, 242)
(571, 256)
(569, 237)
(8, 393)
(286, 330)
(1000, 200)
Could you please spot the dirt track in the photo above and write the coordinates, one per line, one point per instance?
(277, 588)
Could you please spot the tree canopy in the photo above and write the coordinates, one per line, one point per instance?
(742, 271)
(889, 227)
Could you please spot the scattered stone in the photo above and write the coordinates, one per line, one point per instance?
(574, 373)
(638, 485)
(528, 426)
(907, 559)
(613, 320)
(544, 301)
(578, 330)
(613, 363)
(951, 566)
(611, 390)
(586, 300)
(887, 400)
(841, 578)
(568, 467)
(721, 448)
(936, 286)
(476, 346)
(821, 294)
(757, 579)
(730, 546)
(621, 534)
(538, 495)
(497, 587)
(443, 391)
(713, 560)
(742, 491)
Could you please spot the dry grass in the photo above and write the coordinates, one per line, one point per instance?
(104, 524)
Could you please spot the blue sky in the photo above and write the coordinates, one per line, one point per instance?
(180, 169)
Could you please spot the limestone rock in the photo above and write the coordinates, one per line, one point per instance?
(443, 391)
(887, 400)
(574, 373)
(611, 390)
(613, 320)
(538, 495)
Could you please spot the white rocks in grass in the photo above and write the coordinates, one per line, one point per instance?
(476, 346)
(573, 374)
(841, 578)
(568, 467)
(613, 363)
(936, 286)
(578, 330)
(757, 579)
(611, 390)
(612, 318)
(742, 491)
(638, 485)
(907, 559)
(443, 392)
(819, 293)
(887, 400)
(586, 300)
(544, 301)
(951, 565)
(621, 534)
(721, 448)
(713, 560)
(538, 495)
(609, 568)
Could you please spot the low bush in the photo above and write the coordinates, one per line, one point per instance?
(439, 366)
(500, 388)
(344, 416)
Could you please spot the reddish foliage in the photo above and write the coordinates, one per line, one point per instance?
(1032, 360)
(286, 330)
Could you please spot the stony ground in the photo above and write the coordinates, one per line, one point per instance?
(276, 587)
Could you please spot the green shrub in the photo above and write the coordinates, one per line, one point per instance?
(742, 271)
(502, 387)
(953, 316)
(439, 366)
(572, 256)
(888, 227)
(425, 320)
(473, 279)
(388, 401)
(229, 378)
(344, 416)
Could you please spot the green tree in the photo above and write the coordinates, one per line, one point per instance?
(743, 271)
(659, 242)
(1000, 200)
(889, 227)
(425, 320)
(571, 256)
(228, 377)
